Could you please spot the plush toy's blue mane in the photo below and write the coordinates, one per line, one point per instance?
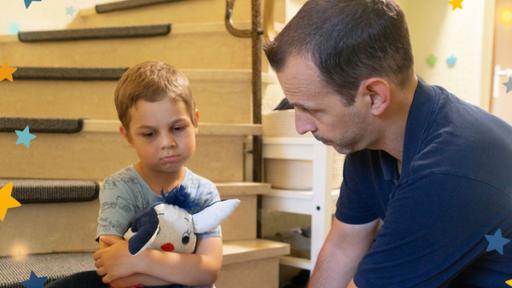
(181, 198)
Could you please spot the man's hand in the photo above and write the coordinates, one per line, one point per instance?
(114, 261)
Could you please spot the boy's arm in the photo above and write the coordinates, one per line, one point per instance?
(116, 262)
(175, 267)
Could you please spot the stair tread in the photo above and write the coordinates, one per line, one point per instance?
(62, 264)
(96, 33)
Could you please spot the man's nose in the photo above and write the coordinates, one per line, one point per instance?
(303, 123)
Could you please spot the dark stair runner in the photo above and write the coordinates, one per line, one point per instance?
(28, 191)
(64, 73)
(41, 125)
(96, 33)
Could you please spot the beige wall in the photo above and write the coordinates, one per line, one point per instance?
(502, 101)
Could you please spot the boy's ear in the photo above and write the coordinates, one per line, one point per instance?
(196, 118)
(125, 134)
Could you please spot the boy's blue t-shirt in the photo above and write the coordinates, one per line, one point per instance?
(455, 188)
(125, 195)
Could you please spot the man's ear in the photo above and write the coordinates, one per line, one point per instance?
(125, 134)
(378, 91)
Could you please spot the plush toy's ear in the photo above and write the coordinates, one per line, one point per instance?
(214, 215)
(146, 226)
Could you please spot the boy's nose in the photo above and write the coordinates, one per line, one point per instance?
(303, 123)
(168, 141)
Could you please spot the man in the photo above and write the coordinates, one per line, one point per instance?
(436, 170)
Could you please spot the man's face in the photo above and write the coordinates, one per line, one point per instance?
(320, 110)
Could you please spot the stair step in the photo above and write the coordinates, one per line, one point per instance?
(96, 33)
(51, 233)
(28, 191)
(99, 150)
(58, 265)
(59, 92)
(41, 125)
(197, 46)
(128, 4)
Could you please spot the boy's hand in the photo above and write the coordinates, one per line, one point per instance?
(115, 261)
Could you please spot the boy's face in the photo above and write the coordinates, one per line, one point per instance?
(162, 134)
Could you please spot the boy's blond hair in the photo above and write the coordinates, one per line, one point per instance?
(152, 81)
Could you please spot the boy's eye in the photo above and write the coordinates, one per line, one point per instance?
(148, 135)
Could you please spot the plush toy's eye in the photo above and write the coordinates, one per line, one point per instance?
(185, 239)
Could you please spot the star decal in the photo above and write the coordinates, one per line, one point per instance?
(24, 137)
(508, 84)
(451, 61)
(496, 242)
(14, 28)
(6, 72)
(70, 11)
(34, 281)
(509, 282)
(456, 4)
(431, 60)
(28, 2)
(6, 200)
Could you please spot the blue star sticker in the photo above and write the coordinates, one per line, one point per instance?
(70, 11)
(451, 61)
(508, 84)
(24, 137)
(34, 281)
(14, 28)
(496, 242)
(28, 2)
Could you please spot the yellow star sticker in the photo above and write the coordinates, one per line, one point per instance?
(509, 282)
(456, 4)
(6, 200)
(6, 72)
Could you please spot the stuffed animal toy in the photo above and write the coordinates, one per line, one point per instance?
(166, 225)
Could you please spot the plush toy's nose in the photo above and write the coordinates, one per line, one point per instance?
(167, 247)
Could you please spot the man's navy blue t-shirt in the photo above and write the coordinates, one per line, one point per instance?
(455, 187)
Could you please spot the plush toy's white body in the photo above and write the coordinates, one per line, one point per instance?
(175, 229)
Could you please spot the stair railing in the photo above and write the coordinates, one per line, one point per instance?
(255, 34)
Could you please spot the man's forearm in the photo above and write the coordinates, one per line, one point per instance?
(334, 268)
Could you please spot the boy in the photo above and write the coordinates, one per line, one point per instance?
(159, 120)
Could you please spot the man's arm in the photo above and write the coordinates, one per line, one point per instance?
(341, 253)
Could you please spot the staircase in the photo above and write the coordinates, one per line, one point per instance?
(63, 90)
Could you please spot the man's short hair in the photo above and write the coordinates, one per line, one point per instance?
(152, 81)
(348, 41)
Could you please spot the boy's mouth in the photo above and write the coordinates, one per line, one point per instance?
(170, 158)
